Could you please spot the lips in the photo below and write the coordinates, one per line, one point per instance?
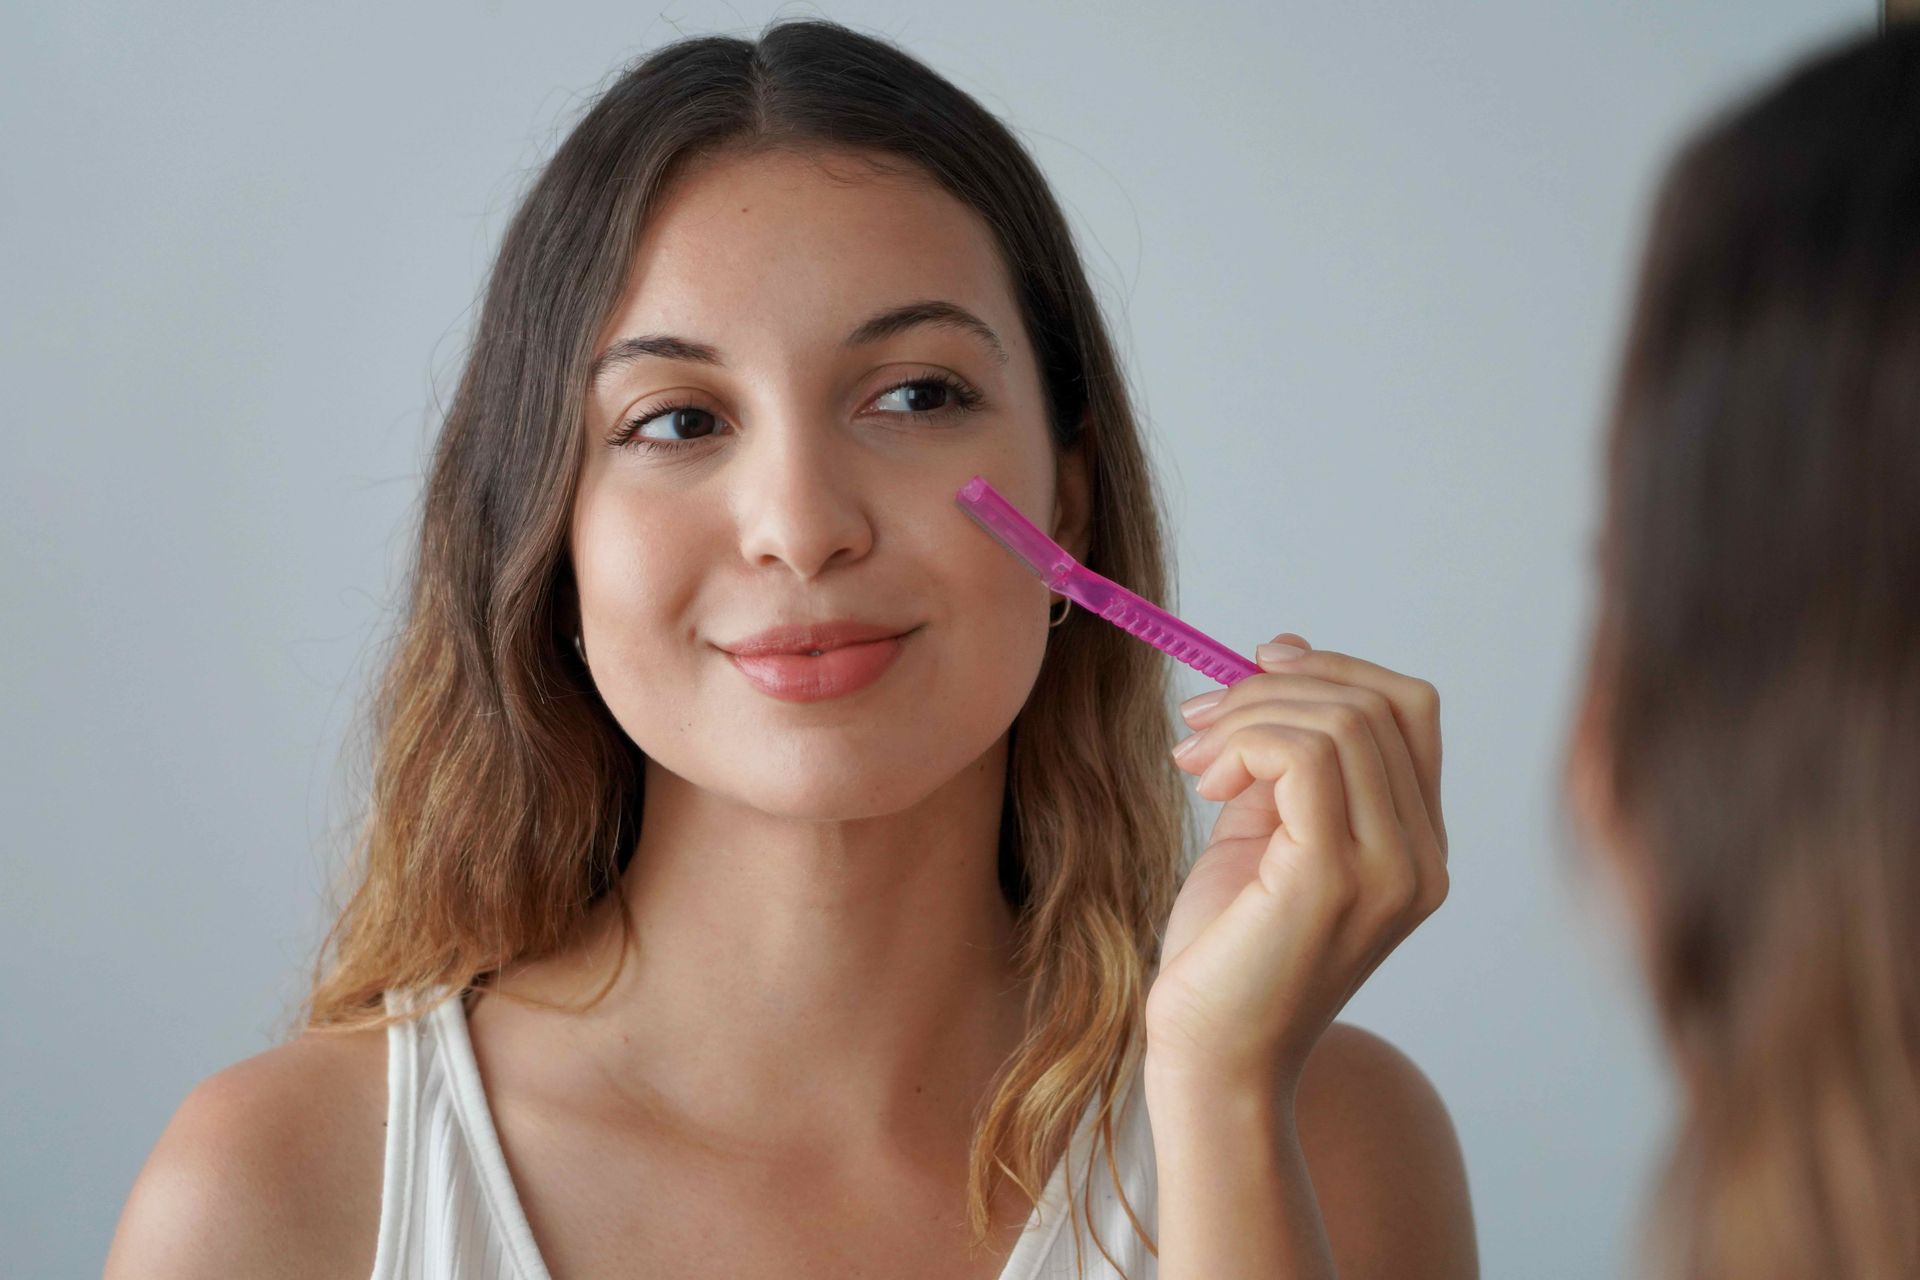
(822, 637)
(841, 670)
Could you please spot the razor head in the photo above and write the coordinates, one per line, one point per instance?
(1019, 535)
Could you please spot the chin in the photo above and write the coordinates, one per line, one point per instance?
(832, 796)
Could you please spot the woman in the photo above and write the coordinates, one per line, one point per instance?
(894, 919)
(1747, 749)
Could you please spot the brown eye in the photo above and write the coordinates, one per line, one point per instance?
(680, 417)
(932, 393)
(919, 397)
(685, 417)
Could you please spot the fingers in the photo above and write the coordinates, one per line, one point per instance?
(1302, 772)
(1408, 801)
(1329, 850)
(1396, 822)
(1413, 703)
(1277, 739)
(1388, 876)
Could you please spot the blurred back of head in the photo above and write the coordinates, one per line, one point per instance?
(1748, 751)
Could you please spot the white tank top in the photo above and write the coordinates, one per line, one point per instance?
(448, 1210)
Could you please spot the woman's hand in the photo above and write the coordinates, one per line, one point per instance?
(1329, 851)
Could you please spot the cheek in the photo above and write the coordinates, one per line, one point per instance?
(632, 606)
(636, 580)
(651, 589)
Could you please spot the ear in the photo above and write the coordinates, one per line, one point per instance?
(1588, 783)
(1584, 778)
(1071, 503)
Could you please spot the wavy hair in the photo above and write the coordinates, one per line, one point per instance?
(504, 799)
(1754, 691)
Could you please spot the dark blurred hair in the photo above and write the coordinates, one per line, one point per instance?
(1755, 685)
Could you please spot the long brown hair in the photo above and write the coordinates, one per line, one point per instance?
(1753, 704)
(504, 798)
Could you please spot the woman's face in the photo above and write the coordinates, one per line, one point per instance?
(797, 487)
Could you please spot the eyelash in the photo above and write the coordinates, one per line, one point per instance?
(626, 435)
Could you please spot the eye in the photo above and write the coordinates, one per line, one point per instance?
(677, 415)
(927, 395)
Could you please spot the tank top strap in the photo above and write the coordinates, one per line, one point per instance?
(448, 1210)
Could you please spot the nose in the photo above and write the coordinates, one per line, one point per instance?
(803, 500)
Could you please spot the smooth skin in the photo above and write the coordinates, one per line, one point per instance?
(781, 1081)
(1329, 850)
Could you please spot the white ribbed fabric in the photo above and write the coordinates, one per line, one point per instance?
(448, 1210)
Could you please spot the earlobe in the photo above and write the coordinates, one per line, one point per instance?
(1588, 784)
(1071, 501)
(1585, 777)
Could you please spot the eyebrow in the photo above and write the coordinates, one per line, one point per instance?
(935, 312)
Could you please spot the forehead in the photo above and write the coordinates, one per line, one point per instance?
(806, 239)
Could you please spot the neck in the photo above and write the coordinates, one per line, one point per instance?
(798, 977)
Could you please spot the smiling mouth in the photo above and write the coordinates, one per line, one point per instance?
(810, 675)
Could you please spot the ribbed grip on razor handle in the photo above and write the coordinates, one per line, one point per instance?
(1158, 628)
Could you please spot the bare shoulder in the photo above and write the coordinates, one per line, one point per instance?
(1385, 1161)
(270, 1167)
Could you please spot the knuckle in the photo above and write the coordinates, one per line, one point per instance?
(1403, 893)
(1267, 731)
(1426, 696)
(1233, 737)
(1433, 889)
(1338, 884)
(1394, 881)
(1320, 749)
(1285, 738)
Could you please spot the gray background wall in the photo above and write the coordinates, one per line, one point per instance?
(1368, 264)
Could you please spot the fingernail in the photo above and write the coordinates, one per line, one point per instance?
(1274, 652)
(1185, 745)
(1195, 705)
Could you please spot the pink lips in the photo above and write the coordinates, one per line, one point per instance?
(794, 677)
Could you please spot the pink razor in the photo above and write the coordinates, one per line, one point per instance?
(1097, 594)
